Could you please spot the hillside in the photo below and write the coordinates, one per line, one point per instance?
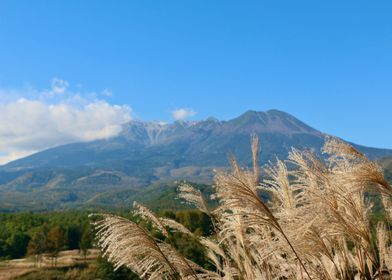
(386, 163)
(150, 153)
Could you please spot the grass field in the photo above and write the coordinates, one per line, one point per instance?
(13, 269)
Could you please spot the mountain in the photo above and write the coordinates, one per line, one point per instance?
(148, 153)
(386, 164)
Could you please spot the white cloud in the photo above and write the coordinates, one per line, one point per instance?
(107, 93)
(182, 114)
(7, 157)
(59, 86)
(32, 124)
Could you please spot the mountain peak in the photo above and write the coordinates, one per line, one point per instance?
(151, 152)
(275, 112)
(272, 121)
(212, 119)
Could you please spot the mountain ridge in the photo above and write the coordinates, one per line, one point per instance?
(146, 153)
(140, 133)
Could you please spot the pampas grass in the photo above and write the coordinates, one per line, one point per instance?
(315, 225)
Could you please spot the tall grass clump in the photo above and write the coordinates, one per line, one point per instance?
(316, 224)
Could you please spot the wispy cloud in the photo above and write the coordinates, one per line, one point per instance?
(41, 119)
(182, 114)
(59, 86)
(107, 92)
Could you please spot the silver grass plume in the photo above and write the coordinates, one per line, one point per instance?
(126, 243)
(316, 225)
(193, 196)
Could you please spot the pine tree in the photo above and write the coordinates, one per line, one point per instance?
(85, 242)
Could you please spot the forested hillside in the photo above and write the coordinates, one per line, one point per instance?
(47, 234)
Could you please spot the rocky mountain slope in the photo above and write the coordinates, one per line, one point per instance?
(145, 153)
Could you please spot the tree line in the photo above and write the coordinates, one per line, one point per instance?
(24, 234)
(34, 234)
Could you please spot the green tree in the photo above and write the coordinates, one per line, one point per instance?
(4, 248)
(85, 241)
(55, 242)
(18, 244)
(37, 246)
(74, 234)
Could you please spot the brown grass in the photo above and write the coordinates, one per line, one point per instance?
(316, 225)
(13, 269)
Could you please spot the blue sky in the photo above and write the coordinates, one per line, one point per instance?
(326, 62)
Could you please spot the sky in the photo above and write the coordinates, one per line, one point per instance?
(76, 70)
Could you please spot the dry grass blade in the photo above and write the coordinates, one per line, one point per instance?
(193, 197)
(285, 196)
(255, 144)
(316, 225)
(237, 194)
(173, 225)
(149, 216)
(336, 147)
(127, 244)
